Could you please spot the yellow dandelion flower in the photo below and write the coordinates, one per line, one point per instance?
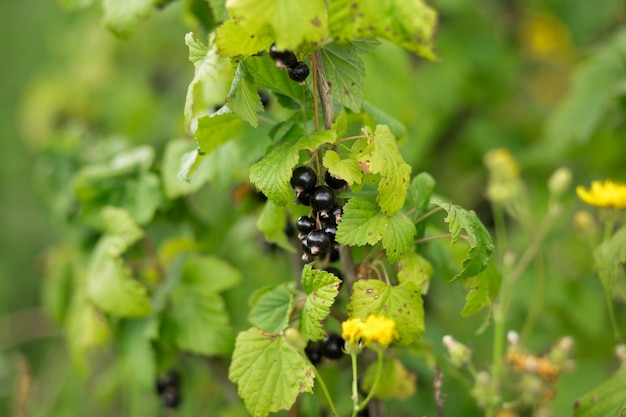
(604, 194)
(352, 330)
(379, 329)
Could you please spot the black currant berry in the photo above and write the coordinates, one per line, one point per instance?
(168, 381)
(303, 178)
(289, 230)
(332, 346)
(316, 243)
(304, 197)
(313, 352)
(331, 229)
(170, 398)
(334, 182)
(299, 72)
(334, 253)
(283, 59)
(334, 271)
(323, 200)
(305, 225)
(265, 99)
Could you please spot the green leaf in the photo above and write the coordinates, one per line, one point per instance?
(481, 245)
(86, 328)
(272, 223)
(218, 8)
(418, 197)
(174, 184)
(362, 223)
(211, 80)
(243, 99)
(267, 75)
(269, 372)
(382, 156)
(345, 72)
(321, 288)
(272, 174)
(483, 290)
(215, 130)
(271, 310)
(121, 16)
(402, 303)
(120, 230)
(609, 259)
(606, 400)
(235, 40)
(57, 281)
(346, 169)
(289, 22)
(414, 267)
(395, 380)
(379, 117)
(408, 23)
(197, 318)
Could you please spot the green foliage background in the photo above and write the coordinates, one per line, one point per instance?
(64, 72)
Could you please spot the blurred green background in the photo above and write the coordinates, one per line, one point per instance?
(545, 79)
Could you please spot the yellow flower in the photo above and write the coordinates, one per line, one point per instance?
(379, 329)
(352, 330)
(604, 194)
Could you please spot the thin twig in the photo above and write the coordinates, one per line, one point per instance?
(440, 398)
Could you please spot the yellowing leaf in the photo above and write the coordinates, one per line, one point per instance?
(321, 288)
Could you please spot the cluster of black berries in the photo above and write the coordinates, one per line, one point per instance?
(298, 70)
(330, 347)
(317, 232)
(168, 388)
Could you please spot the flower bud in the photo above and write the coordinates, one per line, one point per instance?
(459, 353)
(560, 181)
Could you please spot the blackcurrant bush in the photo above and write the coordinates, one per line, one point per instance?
(299, 72)
(283, 59)
(303, 178)
(323, 200)
(332, 346)
(313, 352)
(170, 398)
(316, 243)
(336, 213)
(304, 225)
(334, 182)
(331, 229)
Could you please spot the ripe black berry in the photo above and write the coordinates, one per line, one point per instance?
(313, 352)
(331, 229)
(336, 213)
(334, 182)
(332, 346)
(304, 197)
(323, 200)
(299, 72)
(317, 242)
(265, 99)
(334, 253)
(305, 225)
(334, 271)
(283, 59)
(168, 381)
(303, 178)
(170, 399)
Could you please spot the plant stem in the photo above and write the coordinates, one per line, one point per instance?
(609, 224)
(320, 380)
(379, 371)
(355, 387)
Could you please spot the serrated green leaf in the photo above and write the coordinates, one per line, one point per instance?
(418, 197)
(120, 230)
(414, 267)
(346, 169)
(121, 16)
(271, 310)
(345, 72)
(272, 223)
(479, 239)
(215, 130)
(243, 99)
(379, 117)
(86, 329)
(321, 288)
(340, 125)
(395, 380)
(267, 75)
(269, 372)
(402, 303)
(289, 22)
(483, 290)
(606, 400)
(272, 174)
(408, 23)
(211, 80)
(236, 40)
(197, 317)
(382, 156)
(362, 223)
(218, 8)
(609, 259)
